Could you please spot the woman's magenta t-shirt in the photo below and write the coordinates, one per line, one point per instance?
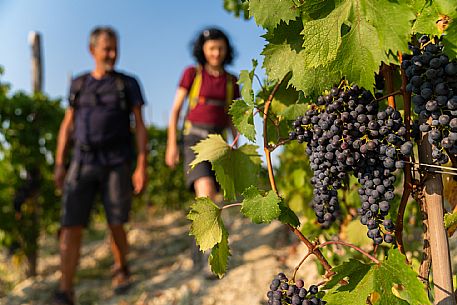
(212, 87)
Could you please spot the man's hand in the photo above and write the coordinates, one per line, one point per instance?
(59, 176)
(139, 179)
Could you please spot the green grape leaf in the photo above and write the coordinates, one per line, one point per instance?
(247, 93)
(392, 282)
(207, 225)
(269, 13)
(395, 275)
(351, 41)
(429, 12)
(354, 272)
(287, 216)
(322, 38)
(258, 208)
(283, 46)
(218, 259)
(293, 111)
(236, 169)
(243, 119)
(245, 81)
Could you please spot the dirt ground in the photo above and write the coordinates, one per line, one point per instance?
(162, 267)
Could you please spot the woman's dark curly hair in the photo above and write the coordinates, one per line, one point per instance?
(211, 34)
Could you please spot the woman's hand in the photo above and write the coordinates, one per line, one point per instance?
(172, 155)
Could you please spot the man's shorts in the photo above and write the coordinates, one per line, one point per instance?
(84, 181)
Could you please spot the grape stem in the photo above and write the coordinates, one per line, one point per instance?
(342, 243)
(398, 92)
(311, 247)
(231, 205)
(299, 265)
(281, 142)
(235, 140)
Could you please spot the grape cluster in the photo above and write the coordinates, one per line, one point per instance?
(432, 79)
(283, 292)
(346, 132)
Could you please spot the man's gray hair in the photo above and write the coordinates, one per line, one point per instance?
(96, 32)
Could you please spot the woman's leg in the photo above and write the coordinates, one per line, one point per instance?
(205, 187)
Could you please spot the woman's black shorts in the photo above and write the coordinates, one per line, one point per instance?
(202, 169)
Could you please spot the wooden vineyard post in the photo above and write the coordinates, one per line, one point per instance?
(441, 262)
(34, 221)
(37, 68)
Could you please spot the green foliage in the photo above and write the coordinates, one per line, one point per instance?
(392, 282)
(207, 225)
(322, 42)
(450, 220)
(236, 169)
(243, 119)
(240, 8)
(218, 258)
(165, 187)
(258, 208)
(269, 13)
(293, 177)
(28, 128)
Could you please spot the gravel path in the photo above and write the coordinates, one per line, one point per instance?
(162, 267)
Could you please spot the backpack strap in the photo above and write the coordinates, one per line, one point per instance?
(75, 89)
(194, 92)
(124, 102)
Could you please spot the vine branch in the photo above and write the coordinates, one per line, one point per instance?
(342, 243)
(311, 247)
(398, 92)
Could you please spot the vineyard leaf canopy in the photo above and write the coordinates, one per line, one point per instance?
(218, 258)
(236, 169)
(351, 40)
(260, 209)
(392, 282)
(207, 225)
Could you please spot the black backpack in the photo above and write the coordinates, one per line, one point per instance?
(87, 135)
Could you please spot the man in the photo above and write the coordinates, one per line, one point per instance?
(98, 121)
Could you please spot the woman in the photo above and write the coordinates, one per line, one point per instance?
(210, 90)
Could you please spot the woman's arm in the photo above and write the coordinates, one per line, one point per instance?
(172, 152)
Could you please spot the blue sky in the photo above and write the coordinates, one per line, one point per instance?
(154, 42)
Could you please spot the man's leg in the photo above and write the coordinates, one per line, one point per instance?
(70, 244)
(119, 245)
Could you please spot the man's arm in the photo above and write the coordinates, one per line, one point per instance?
(140, 175)
(66, 128)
